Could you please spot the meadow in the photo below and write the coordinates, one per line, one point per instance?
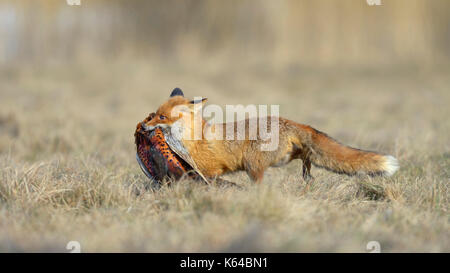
(68, 170)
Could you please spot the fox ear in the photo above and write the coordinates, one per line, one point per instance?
(195, 101)
(177, 92)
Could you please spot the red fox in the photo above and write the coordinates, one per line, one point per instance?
(215, 157)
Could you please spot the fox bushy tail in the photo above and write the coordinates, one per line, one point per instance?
(327, 153)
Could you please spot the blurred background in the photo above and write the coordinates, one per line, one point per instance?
(273, 34)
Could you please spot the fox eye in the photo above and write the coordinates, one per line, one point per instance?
(161, 117)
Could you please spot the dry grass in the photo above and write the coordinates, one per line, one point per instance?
(68, 172)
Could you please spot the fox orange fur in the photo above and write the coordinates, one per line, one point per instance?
(296, 141)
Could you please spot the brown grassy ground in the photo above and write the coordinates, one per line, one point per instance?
(68, 170)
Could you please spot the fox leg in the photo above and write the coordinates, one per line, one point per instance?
(307, 169)
(256, 175)
(303, 154)
(255, 172)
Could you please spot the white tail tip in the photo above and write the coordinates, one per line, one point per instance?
(390, 165)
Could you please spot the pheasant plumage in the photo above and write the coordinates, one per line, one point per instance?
(156, 158)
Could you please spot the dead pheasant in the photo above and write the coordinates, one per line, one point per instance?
(160, 155)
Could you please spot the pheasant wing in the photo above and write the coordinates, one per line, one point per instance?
(177, 147)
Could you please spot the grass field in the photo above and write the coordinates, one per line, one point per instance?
(68, 169)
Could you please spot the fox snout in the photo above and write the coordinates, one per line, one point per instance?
(149, 123)
(145, 127)
(149, 127)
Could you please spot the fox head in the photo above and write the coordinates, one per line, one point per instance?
(177, 111)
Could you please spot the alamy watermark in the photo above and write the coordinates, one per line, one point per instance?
(73, 2)
(373, 2)
(74, 247)
(239, 122)
(373, 247)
